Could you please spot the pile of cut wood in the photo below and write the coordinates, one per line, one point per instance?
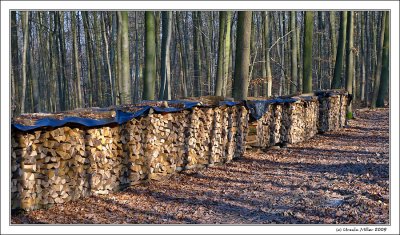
(298, 118)
(55, 165)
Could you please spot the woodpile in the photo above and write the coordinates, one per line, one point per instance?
(56, 165)
(294, 119)
(299, 120)
(332, 110)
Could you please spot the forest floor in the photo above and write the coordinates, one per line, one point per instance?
(335, 178)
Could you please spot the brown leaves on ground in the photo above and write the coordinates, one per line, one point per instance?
(335, 178)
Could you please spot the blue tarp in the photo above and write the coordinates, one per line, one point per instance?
(258, 108)
(120, 117)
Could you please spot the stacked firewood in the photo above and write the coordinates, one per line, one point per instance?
(55, 165)
(286, 123)
(299, 120)
(332, 111)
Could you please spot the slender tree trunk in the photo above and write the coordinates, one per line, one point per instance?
(349, 60)
(267, 53)
(137, 58)
(196, 56)
(150, 57)
(227, 49)
(14, 59)
(337, 75)
(307, 59)
(182, 56)
(126, 96)
(378, 69)
(114, 67)
(384, 84)
(299, 61)
(242, 60)
(64, 104)
(76, 60)
(25, 20)
(90, 63)
(165, 88)
(119, 58)
(108, 63)
(362, 58)
(293, 87)
(220, 67)
(332, 21)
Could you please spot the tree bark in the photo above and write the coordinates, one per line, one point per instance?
(307, 59)
(108, 63)
(242, 60)
(15, 76)
(76, 60)
(126, 96)
(220, 67)
(165, 88)
(267, 53)
(337, 75)
(378, 69)
(25, 20)
(196, 56)
(227, 49)
(293, 87)
(350, 60)
(150, 57)
(383, 86)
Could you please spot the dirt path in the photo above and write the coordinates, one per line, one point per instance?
(339, 177)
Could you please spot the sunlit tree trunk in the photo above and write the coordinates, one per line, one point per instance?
(25, 19)
(350, 60)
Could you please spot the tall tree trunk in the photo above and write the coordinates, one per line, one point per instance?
(63, 82)
(242, 60)
(106, 50)
(383, 86)
(378, 69)
(307, 58)
(332, 21)
(337, 75)
(182, 55)
(150, 57)
(126, 96)
(165, 88)
(137, 58)
(350, 60)
(267, 53)
(90, 63)
(14, 64)
(227, 49)
(25, 20)
(76, 60)
(293, 87)
(362, 57)
(196, 55)
(207, 48)
(113, 60)
(220, 67)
